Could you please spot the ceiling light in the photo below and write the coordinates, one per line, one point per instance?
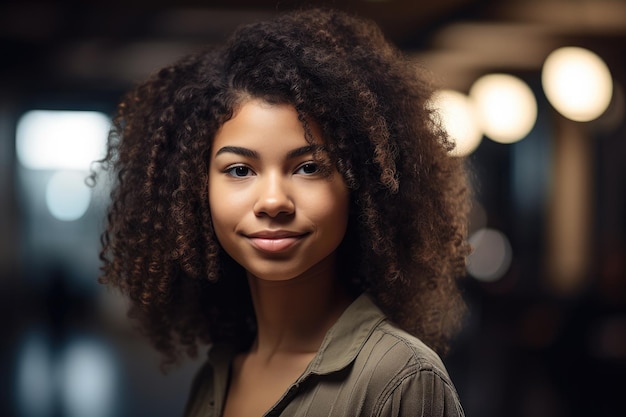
(506, 107)
(457, 115)
(577, 83)
(49, 139)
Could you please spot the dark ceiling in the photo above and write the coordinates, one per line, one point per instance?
(65, 43)
(100, 46)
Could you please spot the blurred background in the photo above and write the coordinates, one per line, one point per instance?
(531, 90)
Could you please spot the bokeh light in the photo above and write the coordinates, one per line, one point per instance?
(51, 139)
(506, 107)
(458, 116)
(491, 255)
(67, 195)
(35, 377)
(88, 380)
(577, 83)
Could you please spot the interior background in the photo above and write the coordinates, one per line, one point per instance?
(540, 341)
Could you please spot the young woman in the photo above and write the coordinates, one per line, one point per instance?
(289, 200)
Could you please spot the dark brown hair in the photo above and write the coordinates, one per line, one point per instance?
(406, 239)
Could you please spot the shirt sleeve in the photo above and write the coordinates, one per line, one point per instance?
(425, 393)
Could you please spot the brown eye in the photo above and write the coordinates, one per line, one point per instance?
(239, 171)
(308, 169)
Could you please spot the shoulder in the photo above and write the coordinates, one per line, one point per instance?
(405, 376)
(389, 341)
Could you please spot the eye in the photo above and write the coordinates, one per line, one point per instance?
(308, 168)
(239, 171)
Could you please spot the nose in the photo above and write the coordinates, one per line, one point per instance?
(273, 197)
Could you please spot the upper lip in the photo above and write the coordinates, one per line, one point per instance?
(275, 234)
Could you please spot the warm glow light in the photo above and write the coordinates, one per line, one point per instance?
(577, 83)
(458, 117)
(506, 107)
(67, 195)
(47, 139)
(491, 255)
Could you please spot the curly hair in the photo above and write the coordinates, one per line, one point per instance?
(406, 239)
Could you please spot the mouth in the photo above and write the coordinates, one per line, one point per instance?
(274, 241)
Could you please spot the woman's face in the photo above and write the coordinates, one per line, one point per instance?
(272, 209)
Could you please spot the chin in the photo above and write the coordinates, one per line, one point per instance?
(275, 275)
(286, 268)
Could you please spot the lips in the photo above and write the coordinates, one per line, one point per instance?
(274, 241)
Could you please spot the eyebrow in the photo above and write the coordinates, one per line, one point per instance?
(303, 151)
(249, 153)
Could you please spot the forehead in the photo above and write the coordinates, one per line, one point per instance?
(255, 122)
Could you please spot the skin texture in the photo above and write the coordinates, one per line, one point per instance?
(273, 211)
(405, 238)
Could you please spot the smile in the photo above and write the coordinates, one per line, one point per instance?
(275, 241)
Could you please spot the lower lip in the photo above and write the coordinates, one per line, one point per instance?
(274, 245)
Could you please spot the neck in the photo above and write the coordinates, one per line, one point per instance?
(294, 315)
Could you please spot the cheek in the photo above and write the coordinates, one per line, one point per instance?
(226, 204)
(341, 214)
(332, 210)
(220, 207)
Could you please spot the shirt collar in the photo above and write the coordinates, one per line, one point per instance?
(347, 336)
(343, 341)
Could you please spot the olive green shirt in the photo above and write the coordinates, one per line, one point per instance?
(365, 366)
